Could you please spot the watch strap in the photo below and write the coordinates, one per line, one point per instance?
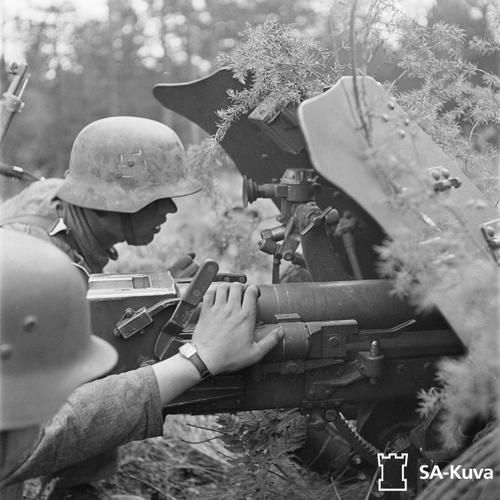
(199, 364)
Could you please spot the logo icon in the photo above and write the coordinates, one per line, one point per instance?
(392, 471)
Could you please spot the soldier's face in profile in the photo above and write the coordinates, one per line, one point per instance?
(145, 223)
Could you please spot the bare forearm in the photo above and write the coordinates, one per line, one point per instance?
(174, 376)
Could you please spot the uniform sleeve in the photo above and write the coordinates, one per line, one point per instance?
(96, 417)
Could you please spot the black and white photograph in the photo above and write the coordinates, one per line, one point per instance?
(249, 249)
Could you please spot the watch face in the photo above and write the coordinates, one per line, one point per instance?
(187, 350)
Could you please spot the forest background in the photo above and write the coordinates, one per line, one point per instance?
(88, 65)
(89, 60)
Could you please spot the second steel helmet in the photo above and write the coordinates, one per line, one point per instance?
(46, 349)
(123, 163)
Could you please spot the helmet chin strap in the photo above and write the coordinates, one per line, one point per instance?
(92, 234)
(127, 228)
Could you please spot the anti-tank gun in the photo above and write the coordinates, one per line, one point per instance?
(352, 350)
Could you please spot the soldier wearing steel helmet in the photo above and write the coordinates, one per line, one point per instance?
(44, 355)
(124, 173)
(46, 350)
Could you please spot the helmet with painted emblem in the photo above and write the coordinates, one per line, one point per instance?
(123, 163)
(46, 349)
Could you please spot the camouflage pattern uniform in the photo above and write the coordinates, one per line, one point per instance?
(97, 416)
(38, 212)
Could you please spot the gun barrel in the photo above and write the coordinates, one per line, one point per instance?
(370, 302)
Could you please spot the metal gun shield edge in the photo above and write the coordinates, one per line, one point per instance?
(254, 154)
(338, 150)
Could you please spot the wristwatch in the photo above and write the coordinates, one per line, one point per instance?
(189, 351)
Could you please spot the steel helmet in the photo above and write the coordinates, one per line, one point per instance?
(123, 163)
(46, 349)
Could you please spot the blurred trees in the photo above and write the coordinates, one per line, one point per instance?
(86, 69)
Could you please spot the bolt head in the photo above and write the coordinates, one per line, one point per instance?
(490, 231)
(331, 415)
(332, 217)
(30, 323)
(5, 351)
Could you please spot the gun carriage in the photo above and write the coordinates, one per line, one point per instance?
(354, 355)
